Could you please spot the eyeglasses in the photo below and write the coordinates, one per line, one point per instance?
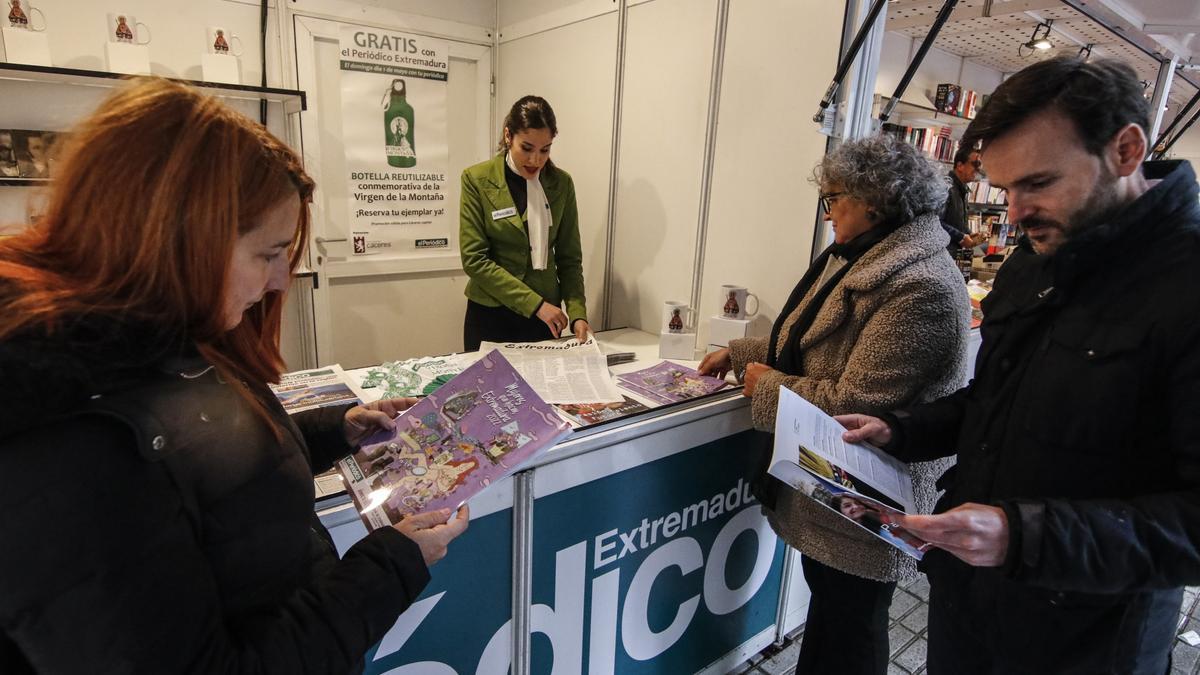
(976, 163)
(827, 200)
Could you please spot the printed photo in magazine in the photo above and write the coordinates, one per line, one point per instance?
(584, 414)
(476, 429)
(835, 489)
(859, 481)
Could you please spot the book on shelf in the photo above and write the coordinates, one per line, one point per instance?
(982, 192)
(947, 98)
(933, 141)
(952, 99)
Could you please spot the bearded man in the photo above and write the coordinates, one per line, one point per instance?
(1071, 521)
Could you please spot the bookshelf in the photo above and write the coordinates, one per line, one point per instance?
(935, 133)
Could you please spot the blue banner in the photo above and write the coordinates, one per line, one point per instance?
(661, 568)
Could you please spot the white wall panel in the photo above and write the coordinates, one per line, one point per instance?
(387, 318)
(573, 68)
(521, 18)
(1188, 147)
(77, 32)
(667, 63)
(476, 12)
(763, 210)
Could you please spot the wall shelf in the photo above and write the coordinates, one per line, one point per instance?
(917, 112)
(293, 100)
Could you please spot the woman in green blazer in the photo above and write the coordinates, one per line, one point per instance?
(524, 263)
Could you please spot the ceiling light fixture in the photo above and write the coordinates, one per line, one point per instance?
(1040, 40)
(1085, 52)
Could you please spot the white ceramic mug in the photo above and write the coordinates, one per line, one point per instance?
(223, 42)
(21, 15)
(126, 29)
(675, 316)
(733, 302)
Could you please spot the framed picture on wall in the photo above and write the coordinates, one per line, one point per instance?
(8, 155)
(33, 153)
(26, 153)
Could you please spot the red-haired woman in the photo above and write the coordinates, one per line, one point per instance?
(158, 502)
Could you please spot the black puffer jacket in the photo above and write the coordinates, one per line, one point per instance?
(1083, 423)
(153, 524)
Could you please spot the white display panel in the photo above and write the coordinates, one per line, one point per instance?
(763, 211)
(664, 113)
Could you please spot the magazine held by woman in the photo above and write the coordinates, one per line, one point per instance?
(475, 430)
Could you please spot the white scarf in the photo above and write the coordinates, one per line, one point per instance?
(537, 211)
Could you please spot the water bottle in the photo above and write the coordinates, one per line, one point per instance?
(398, 127)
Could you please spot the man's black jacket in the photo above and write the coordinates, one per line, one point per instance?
(1082, 422)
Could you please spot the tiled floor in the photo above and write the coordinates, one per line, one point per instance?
(909, 613)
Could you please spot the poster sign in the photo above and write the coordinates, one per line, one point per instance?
(393, 88)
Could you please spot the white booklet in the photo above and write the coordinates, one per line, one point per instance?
(858, 481)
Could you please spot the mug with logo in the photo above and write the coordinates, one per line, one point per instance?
(675, 316)
(223, 42)
(25, 16)
(123, 28)
(734, 301)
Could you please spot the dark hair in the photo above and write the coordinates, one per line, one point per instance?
(1100, 97)
(964, 154)
(529, 112)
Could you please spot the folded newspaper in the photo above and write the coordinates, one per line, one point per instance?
(860, 482)
(308, 389)
(561, 371)
(475, 430)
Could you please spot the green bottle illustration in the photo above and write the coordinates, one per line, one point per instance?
(398, 126)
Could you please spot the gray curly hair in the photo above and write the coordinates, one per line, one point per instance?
(892, 177)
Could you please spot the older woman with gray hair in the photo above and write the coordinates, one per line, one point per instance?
(879, 321)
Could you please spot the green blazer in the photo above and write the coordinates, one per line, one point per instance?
(495, 251)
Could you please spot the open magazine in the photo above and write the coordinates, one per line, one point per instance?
(476, 429)
(858, 481)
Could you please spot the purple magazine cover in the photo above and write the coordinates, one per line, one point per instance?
(473, 431)
(669, 382)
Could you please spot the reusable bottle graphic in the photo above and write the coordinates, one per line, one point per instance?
(398, 126)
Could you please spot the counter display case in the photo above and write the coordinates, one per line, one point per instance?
(632, 546)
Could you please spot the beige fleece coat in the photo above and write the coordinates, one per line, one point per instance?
(892, 332)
